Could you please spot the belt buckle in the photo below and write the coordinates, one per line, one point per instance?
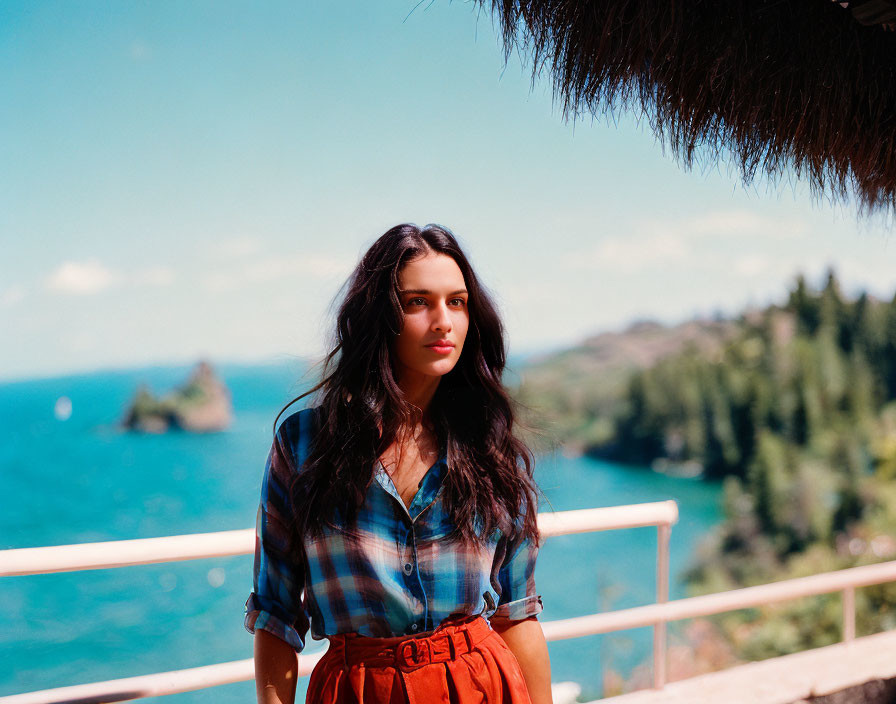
(411, 654)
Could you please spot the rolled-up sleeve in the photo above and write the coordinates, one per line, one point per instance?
(276, 604)
(516, 577)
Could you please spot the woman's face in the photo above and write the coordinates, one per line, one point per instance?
(433, 296)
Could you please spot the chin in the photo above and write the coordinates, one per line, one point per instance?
(440, 368)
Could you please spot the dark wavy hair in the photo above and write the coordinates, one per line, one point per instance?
(361, 408)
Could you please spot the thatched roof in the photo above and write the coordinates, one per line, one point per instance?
(768, 84)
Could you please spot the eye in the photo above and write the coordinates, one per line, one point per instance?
(416, 301)
(458, 301)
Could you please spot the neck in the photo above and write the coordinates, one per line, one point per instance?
(419, 389)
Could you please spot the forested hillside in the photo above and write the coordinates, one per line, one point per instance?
(793, 409)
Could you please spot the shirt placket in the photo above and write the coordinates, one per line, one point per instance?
(413, 581)
(410, 565)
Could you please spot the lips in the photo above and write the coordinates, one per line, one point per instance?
(441, 346)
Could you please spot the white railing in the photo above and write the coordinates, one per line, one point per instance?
(124, 553)
(238, 542)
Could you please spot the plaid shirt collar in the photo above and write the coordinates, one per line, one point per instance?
(428, 489)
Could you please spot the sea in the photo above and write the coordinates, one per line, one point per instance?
(70, 474)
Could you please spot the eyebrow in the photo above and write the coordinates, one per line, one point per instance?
(427, 292)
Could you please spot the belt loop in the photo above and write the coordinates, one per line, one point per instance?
(444, 640)
(458, 643)
(469, 637)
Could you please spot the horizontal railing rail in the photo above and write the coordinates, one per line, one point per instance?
(720, 602)
(145, 551)
(660, 514)
(124, 553)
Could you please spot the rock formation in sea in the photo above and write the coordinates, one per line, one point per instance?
(200, 405)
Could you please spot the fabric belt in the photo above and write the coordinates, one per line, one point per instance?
(447, 642)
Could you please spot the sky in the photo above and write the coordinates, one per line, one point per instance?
(198, 179)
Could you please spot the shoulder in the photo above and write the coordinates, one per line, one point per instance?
(297, 423)
(296, 431)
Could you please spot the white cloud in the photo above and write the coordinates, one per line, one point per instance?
(740, 222)
(752, 265)
(629, 255)
(81, 278)
(236, 247)
(274, 268)
(11, 296)
(315, 265)
(90, 277)
(153, 276)
(706, 241)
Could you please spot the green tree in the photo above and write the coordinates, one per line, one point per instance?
(767, 482)
(806, 307)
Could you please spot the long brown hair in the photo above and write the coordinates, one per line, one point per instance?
(361, 409)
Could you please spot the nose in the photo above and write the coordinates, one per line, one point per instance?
(441, 320)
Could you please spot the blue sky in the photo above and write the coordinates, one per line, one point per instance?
(185, 179)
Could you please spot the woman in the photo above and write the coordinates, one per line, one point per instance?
(398, 516)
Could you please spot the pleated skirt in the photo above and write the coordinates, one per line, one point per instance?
(461, 662)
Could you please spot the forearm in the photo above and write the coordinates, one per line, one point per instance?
(276, 670)
(526, 641)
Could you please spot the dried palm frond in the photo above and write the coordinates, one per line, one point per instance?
(773, 84)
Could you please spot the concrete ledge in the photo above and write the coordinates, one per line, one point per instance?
(789, 679)
(873, 692)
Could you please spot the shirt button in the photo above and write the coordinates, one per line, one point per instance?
(408, 568)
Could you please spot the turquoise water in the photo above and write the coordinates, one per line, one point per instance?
(82, 480)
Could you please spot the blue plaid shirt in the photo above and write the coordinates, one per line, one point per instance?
(392, 574)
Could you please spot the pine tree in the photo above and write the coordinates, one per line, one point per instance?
(767, 482)
(805, 305)
(889, 350)
(848, 464)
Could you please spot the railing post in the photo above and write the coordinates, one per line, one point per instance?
(849, 614)
(662, 596)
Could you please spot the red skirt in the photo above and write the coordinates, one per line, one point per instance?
(461, 662)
